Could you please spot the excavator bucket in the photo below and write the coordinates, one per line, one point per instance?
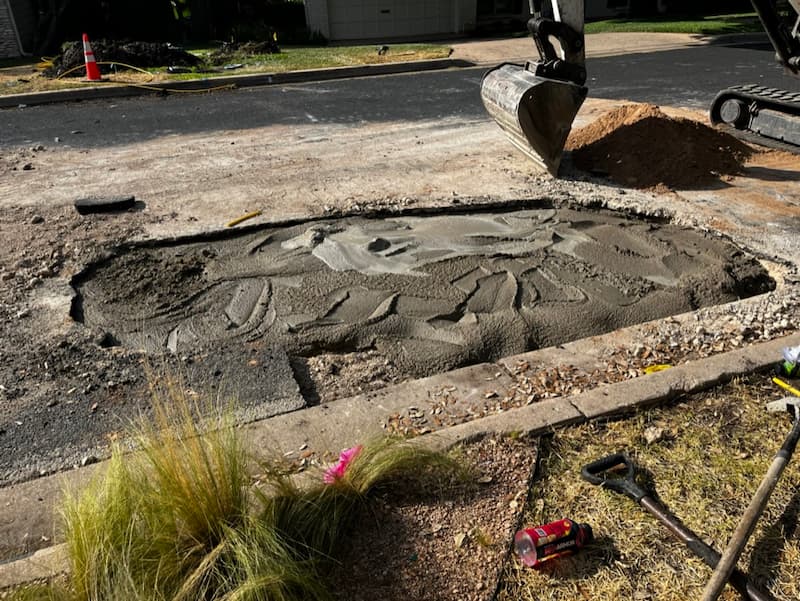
(535, 112)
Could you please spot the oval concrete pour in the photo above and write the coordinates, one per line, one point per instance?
(432, 293)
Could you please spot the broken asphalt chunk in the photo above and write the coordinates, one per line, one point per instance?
(105, 204)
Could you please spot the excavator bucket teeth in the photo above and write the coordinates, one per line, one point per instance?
(535, 112)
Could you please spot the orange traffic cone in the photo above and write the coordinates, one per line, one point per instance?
(92, 70)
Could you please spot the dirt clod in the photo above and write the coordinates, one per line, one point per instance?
(237, 50)
(638, 145)
(137, 54)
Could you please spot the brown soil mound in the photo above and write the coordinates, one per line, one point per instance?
(137, 54)
(638, 145)
(232, 51)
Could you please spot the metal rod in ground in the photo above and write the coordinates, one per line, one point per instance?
(707, 553)
(747, 524)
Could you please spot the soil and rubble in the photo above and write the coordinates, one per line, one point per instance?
(51, 364)
(69, 62)
(112, 55)
(639, 146)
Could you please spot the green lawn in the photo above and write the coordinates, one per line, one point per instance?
(295, 58)
(18, 77)
(715, 25)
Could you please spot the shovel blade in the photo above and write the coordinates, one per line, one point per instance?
(535, 112)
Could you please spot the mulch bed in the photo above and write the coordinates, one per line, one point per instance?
(450, 547)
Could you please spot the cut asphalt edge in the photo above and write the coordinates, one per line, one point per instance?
(29, 507)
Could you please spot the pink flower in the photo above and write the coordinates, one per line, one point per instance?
(336, 471)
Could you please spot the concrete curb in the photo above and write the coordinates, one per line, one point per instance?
(238, 81)
(351, 420)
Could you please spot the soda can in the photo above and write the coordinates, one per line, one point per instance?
(539, 544)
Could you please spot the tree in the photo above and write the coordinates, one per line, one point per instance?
(49, 23)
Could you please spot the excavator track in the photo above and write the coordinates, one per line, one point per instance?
(766, 116)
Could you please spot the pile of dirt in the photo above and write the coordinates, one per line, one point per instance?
(230, 51)
(137, 54)
(638, 145)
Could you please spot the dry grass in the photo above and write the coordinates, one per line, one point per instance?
(715, 450)
(27, 79)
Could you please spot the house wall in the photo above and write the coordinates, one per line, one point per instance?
(9, 42)
(382, 19)
(317, 17)
(385, 19)
(26, 19)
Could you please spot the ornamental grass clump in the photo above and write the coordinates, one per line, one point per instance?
(315, 520)
(180, 519)
(159, 523)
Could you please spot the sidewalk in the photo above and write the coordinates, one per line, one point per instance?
(597, 45)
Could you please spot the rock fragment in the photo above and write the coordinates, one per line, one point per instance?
(105, 204)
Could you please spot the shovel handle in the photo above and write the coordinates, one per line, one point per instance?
(602, 473)
(747, 524)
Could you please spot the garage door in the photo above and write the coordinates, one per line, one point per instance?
(369, 19)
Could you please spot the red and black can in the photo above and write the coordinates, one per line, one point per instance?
(542, 543)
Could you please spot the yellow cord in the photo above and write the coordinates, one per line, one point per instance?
(68, 71)
(229, 86)
(786, 386)
(45, 62)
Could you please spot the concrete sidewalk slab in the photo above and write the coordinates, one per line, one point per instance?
(521, 49)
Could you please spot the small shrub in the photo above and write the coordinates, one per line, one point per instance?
(179, 519)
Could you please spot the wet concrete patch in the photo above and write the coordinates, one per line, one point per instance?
(430, 292)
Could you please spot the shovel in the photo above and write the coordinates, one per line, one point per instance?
(606, 472)
(760, 499)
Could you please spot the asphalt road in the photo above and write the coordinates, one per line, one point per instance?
(688, 77)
